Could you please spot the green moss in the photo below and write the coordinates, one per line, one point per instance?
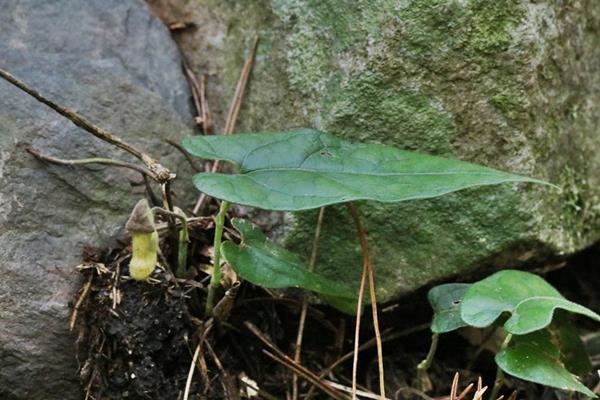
(369, 109)
(476, 27)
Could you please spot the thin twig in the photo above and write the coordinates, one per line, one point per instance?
(157, 171)
(195, 91)
(203, 119)
(306, 374)
(367, 345)
(361, 393)
(207, 124)
(187, 156)
(368, 270)
(188, 383)
(219, 364)
(282, 358)
(80, 300)
(197, 352)
(234, 110)
(83, 161)
(311, 267)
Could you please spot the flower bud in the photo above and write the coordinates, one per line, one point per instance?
(144, 241)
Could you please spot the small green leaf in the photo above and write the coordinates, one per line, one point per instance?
(529, 298)
(537, 312)
(535, 358)
(263, 263)
(306, 169)
(445, 300)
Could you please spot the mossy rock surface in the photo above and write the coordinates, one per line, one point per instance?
(510, 84)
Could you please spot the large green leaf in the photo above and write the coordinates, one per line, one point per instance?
(534, 357)
(445, 300)
(529, 298)
(263, 263)
(307, 169)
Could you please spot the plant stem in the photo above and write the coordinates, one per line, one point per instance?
(426, 363)
(215, 280)
(499, 374)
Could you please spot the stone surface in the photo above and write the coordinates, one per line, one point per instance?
(115, 63)
(512, 84)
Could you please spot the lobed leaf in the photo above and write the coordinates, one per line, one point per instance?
(529, 298)
(306, 169)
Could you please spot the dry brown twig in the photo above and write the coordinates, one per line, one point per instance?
(84, 294)
(368, 271)
(197, 353)
(158, 172)
(283, 359)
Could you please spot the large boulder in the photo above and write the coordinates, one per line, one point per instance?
(511, 84)
(115, 63)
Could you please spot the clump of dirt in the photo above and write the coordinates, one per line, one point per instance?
(137, 337)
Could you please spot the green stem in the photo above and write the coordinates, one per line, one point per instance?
(215, 280)
(424, 365)
(499, 374)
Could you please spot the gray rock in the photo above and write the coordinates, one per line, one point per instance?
(115, 63)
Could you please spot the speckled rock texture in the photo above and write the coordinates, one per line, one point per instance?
(115, 63)
(511, 84)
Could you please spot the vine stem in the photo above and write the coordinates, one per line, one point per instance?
(499, 374)
(367, 272)
(215, 280)
(426, 363)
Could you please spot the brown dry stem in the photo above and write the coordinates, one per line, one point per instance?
(367, 270)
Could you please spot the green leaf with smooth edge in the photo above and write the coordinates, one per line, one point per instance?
(445, 300)
(535, 358)
(529, 298)
(263, 263)
(306, 169)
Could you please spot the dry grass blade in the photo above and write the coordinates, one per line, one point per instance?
(303, 312)
(454, 388)
(368, 271)
(465, 392)
(306, 374)
(236, 104)
(188, 384)
(283, 359)
(361, 393)
(203, 119)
